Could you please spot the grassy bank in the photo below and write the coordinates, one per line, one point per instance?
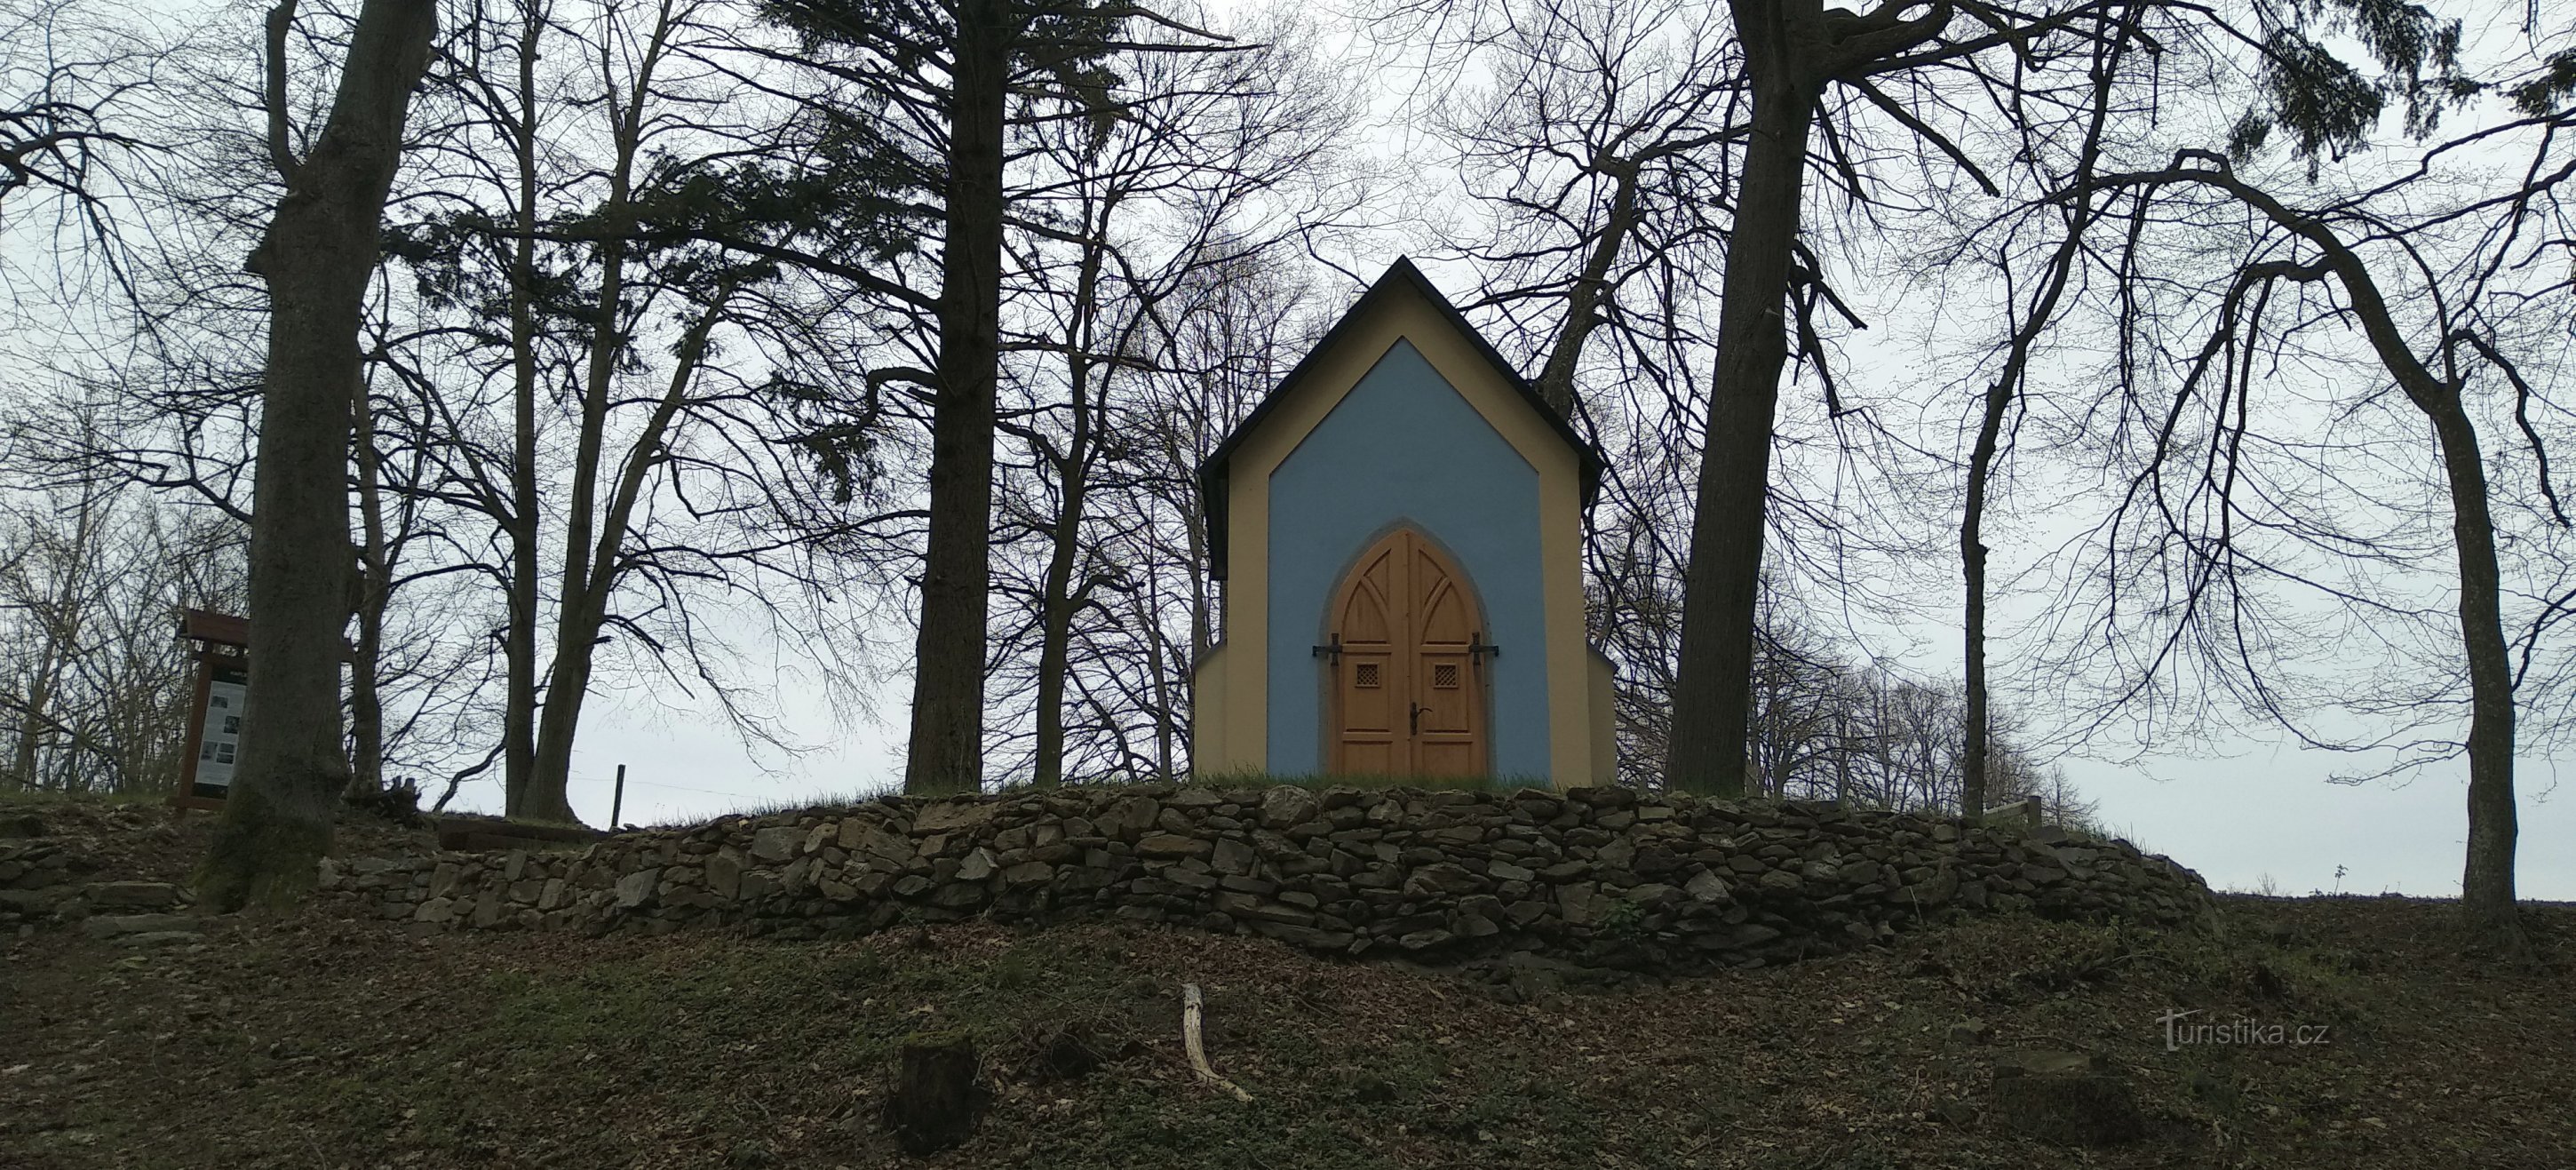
(311, 1042)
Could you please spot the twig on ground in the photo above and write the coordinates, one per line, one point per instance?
(1192, 1007)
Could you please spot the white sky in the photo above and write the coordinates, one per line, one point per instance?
(2265, 814)
(2267, 811)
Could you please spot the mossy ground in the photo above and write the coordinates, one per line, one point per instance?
(306, 1041)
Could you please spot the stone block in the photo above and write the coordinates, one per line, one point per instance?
(635, 891)
(1707, 887)
(1286, 805)
(724, 873)
(953, 816)
(1234, 856)
(1580, 903)
(776, 843)
(1445, 879)
(112, 925)
(135, 895)
(1172, 846)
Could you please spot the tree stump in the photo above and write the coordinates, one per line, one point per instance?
(2069, 1098)
(936, 1101)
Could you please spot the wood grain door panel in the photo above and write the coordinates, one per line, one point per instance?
(1407, 689)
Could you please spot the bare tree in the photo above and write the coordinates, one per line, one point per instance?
(615, 401)
(2002, 393)
(94, 684)
(1235, 326)
(949, 80)
(67, 70)
(2368, 275)
(2432, 365)
(1795, 50)
(1214, 160)
(317, 260)
(1592, 146)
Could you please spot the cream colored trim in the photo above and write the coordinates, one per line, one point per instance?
(1207, 735)
(1405, 315)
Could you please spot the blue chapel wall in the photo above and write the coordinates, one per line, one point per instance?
(1404, 447)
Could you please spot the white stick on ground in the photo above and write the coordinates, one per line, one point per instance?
(1192, 1007)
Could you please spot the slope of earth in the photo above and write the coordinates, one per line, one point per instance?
(309, 1041)
(145, 841)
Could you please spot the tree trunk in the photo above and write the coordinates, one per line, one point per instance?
(2487, 878)
(1712, 686)
(1583, 300)
(1056, 601)
(1149, 611)
(1057, 598)
(31, 724)
(2486, 884)
(1972, 564)
(374, 588)
(519, 632)
(946, 745)
(589, 575)
(1978, 732)
(320, 251)
(584, 608)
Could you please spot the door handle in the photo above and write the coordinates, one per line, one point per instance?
(1413, 725)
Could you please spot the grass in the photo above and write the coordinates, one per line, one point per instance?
(763, 808)
(55, 797)
(1318, 781)
(1224, 780)
(1322, 780)
(300, 1040)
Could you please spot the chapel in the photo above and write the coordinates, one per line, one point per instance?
(1397, 531)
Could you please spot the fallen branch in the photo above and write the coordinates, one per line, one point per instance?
(1192, 1007)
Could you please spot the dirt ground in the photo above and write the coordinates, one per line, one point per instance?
(2342, 1032)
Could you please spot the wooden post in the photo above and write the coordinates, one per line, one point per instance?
(936, 1102)
(617, 803)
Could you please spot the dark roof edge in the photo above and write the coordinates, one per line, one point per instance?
(1212, 497)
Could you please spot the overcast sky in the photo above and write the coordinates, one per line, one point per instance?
(2265, 813)
(2260, 813)
(2270, 811)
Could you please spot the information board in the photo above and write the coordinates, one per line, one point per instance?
(219, 739)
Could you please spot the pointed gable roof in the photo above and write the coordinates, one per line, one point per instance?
(1401, 276)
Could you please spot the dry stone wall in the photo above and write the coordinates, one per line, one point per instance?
(36, 878)
(47, 881)
(1601, 876)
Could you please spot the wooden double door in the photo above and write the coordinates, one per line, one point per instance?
(1406, 653)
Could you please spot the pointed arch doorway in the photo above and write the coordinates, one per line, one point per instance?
(1406, 659)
